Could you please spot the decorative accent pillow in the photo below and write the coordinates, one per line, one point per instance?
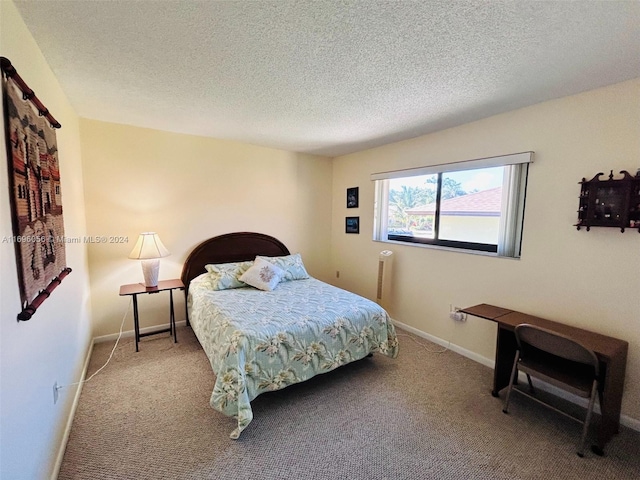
(223, 276)
(263, 275)
(199, 279)
(291, 264)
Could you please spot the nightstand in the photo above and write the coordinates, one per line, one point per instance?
(136, 289)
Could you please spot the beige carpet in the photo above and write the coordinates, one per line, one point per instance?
(421, 416)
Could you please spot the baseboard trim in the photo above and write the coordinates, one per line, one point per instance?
(445, 343)
(74, 406)
(625, 420)
(130, 333)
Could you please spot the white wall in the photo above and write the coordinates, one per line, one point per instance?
(187, 189)
(52, 345)
(587, 279)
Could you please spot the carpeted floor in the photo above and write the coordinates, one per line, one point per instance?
(423, 415)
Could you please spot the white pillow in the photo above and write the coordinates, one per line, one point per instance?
(262, 275)
(292, 266)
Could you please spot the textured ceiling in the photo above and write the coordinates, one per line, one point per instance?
(327, 77)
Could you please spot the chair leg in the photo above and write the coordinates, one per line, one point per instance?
(514, 372)
(601, 398)
(531, 389)
(587, 420)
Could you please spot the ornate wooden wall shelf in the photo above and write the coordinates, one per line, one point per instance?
(610, 202)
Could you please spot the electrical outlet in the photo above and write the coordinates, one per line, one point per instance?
(457, 315)
(55, 392)
(337, 273)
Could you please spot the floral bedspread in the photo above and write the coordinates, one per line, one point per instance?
(260, 341)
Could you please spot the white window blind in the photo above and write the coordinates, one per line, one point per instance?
(498, 161)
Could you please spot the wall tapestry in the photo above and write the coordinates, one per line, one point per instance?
(36, 198)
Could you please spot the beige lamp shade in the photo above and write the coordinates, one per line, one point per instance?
(149, 249)
(149, 246)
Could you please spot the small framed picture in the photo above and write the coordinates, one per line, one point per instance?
(352, 225)
(352, 197)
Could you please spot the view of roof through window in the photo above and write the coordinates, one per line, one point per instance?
(470, 205)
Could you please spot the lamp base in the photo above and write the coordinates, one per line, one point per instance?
(151, 270)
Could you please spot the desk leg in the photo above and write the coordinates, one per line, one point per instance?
(506, 347)
(611, 400)
(136, 325)
(172, 318)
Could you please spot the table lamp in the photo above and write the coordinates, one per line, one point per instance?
(149, 249)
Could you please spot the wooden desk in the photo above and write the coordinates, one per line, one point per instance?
(611, 352)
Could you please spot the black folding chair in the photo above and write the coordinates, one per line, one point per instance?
(560, 361)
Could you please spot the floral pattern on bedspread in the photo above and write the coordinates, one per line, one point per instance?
(261, 341)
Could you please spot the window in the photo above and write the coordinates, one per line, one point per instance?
(475, 205)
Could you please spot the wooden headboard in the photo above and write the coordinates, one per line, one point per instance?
(231, 247)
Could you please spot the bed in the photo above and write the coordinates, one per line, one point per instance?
(260, 339)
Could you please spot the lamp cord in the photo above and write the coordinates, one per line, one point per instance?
(59, 387)
(444, 349)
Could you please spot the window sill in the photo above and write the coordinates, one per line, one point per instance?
(447, 249)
